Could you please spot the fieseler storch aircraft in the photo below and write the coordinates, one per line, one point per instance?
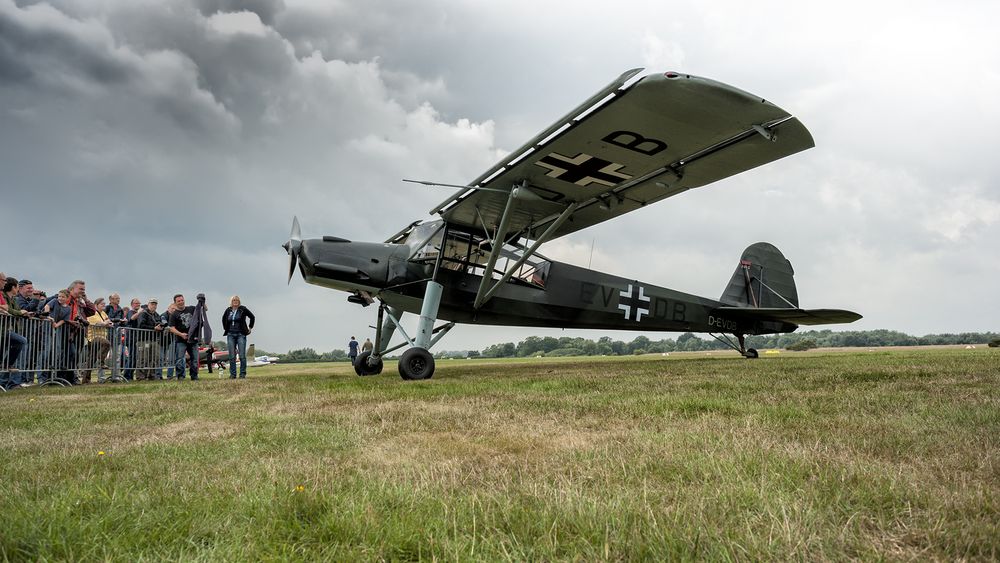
(637, 141)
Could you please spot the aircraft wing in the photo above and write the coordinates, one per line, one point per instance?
(795, 316)
(629, 145)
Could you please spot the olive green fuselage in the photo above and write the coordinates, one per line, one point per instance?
(568, 297)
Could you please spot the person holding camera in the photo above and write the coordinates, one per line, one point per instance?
(184, 341)
(148, 342)
(67, 323)
(114, 311)
(98, 345)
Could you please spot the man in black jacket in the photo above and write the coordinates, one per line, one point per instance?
(184, 342)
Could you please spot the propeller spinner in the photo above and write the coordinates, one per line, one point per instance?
(293, 246)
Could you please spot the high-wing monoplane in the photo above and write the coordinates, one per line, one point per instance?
(221, 358)
(635, 142)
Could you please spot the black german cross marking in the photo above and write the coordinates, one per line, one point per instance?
(634, 300)
(583, 169)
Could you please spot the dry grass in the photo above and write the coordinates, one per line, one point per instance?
(885, 455)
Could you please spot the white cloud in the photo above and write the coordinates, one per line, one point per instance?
(233, 23)
(659, 53)
(960, 214)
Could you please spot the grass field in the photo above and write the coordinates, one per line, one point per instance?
(814, 456)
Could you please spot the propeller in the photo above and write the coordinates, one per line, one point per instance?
(292, 247)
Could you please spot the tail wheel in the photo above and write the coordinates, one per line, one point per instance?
(415, 364)
(365, 365)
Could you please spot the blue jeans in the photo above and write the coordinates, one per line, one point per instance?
(191, 348)
(128, 358)
(44, 361)
(237, 343)
(9, 359)
(164, 354)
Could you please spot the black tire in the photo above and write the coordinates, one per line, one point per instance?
(363, 367)
(416, 364)
(752, 353)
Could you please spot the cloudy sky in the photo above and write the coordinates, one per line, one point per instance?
(160, 146)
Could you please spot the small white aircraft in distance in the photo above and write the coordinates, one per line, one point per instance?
(263, 360)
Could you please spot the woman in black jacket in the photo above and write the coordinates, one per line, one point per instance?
(236, 329)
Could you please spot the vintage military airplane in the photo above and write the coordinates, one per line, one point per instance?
(221, 358)
(636, 142)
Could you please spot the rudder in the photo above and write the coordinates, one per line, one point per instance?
(764, 278)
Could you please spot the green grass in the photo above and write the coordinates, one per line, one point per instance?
(810, 456)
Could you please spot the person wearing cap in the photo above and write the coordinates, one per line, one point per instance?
(148, 342)
(98, 344)
(37, 356)
(129, 352)
(26, 298)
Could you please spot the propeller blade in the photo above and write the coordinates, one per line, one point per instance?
(293, 260)
(292, 247)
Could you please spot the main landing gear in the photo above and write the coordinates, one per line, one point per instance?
(417, 362)
(748, 353)
(365, 364)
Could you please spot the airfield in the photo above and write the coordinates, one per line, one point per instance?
(821, 455)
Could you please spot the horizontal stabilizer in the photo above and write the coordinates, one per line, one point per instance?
(795, 316)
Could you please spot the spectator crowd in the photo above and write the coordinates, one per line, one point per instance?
(65, 336)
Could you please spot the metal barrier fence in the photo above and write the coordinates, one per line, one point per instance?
(34, 351)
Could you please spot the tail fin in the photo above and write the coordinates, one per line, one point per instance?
(762, 289)
(763, 279)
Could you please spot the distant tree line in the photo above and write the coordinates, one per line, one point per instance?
(552, 347)
(568, 346)
(303, 355)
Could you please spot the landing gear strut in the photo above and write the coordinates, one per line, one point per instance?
(748, 353)
(417, 362)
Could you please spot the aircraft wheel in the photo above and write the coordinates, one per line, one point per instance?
(416, 363)
(752, 353)
(362, 365)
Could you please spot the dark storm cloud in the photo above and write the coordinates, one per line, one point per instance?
(41, 44)
(157, 146)
(181, 171)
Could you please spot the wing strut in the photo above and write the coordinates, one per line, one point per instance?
(525, 256)
(498, 238)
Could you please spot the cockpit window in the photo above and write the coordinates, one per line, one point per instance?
(469, 253)
(425, 240)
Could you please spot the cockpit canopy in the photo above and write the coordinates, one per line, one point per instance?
(469, 253)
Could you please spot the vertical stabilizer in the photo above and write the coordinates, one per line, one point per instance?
(763, 279)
